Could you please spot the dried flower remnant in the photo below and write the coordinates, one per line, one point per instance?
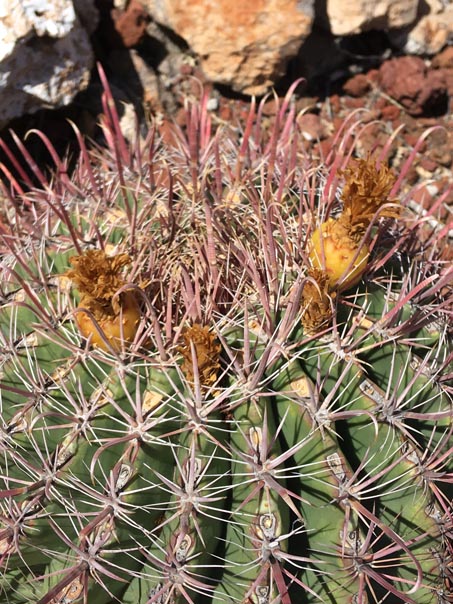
(72, 593)
(98, 278)
(338, 245)
(365, 190)
(207, 354)
(316, 302)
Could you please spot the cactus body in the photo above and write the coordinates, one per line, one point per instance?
(228, 423)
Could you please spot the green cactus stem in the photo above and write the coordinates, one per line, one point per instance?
(193, 411)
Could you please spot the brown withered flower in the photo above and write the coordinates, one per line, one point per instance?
(316, 302)
(207, 353)
(365, 190)
(98, 278)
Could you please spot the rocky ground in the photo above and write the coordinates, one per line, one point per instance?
(151, 75)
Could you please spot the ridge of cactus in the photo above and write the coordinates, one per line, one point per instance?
(226, 373)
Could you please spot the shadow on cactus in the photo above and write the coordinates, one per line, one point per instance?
(226, 375)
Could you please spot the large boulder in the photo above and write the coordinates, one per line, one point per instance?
(348, 17)
(432, 31)
(245, 45)
(45, 55)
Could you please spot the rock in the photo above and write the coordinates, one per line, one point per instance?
(348, 17)
(357, 86)
(245, 45)
(431, 32)
(45, 56)
(444, 59)
(311, 127)
(88, 14)
(390, 113)
(448, 78)
(130, 24)
(408, 80)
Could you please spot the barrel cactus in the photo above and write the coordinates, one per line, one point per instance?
(204, 397)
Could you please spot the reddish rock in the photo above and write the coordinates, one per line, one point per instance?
(357, 86)
(225, 111)
(335, 103)
(354, 103)
(445, 186)
(412, 139)
(372, 138)
(373, 76)
(311, 126)
(272, 106)
(428, 164)
(166, 130)
(131, 24)
(427, 194)
(448, 78)
(323, 148)
(381, 102)
(412, 84)
(390, 113)
(412, 176)
(337, 123)
(444, 59)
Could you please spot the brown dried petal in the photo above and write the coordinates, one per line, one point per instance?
(207, 354)
(365, 190)
(98, 278)
(316, 302)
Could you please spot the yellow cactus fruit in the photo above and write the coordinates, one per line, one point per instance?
(98, 279)
(343, 262)
(338, 245)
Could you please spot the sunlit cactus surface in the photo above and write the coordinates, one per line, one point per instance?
(226, 372)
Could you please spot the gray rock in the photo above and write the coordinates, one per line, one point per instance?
(45, 56)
